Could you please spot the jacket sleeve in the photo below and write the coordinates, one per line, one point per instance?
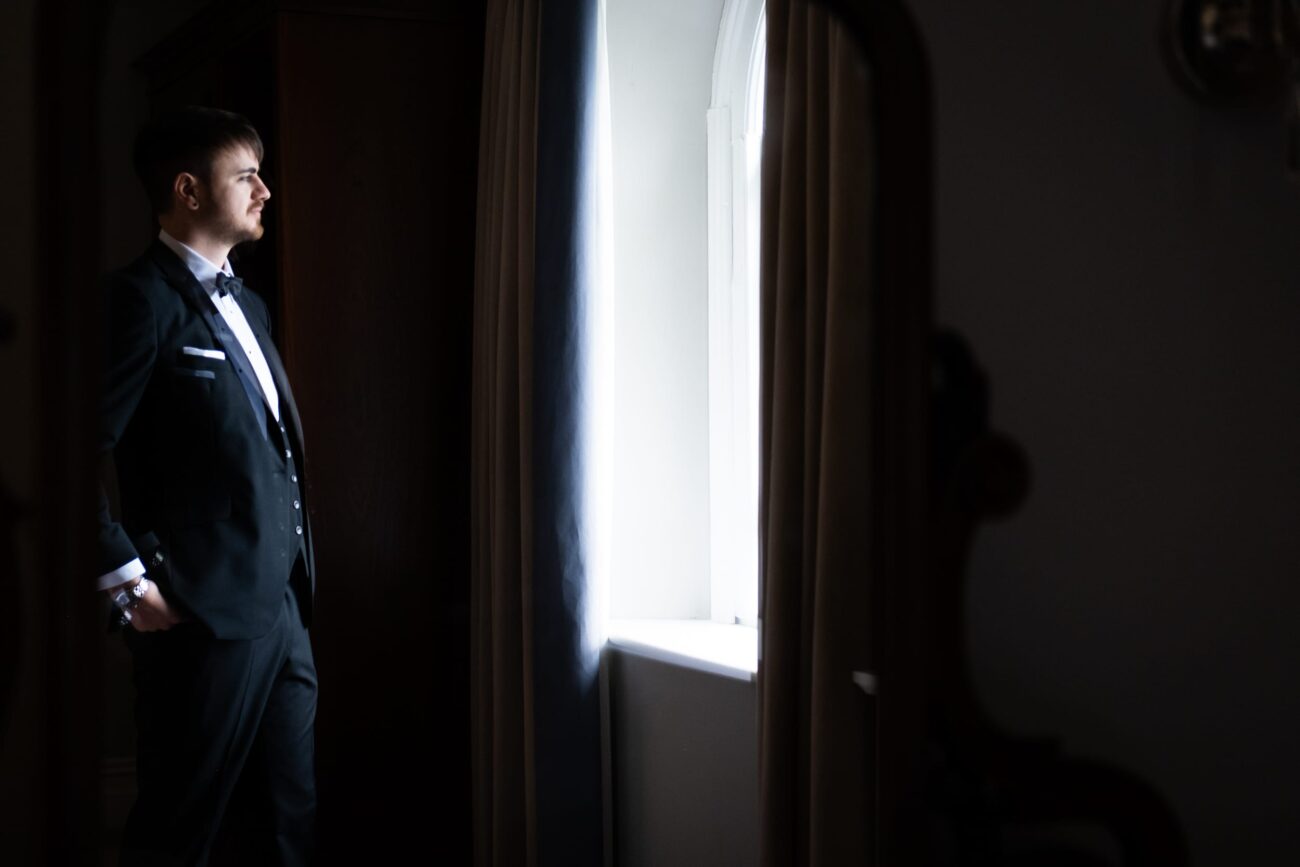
(130, 352)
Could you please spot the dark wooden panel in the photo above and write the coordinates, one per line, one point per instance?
(378, 139)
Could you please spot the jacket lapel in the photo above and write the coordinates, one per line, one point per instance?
(183, 280)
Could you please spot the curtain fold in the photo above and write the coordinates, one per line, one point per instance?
(535, 724)
(816, 752)
(567, 761)
(501, 626)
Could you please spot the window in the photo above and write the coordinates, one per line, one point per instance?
(685, 121)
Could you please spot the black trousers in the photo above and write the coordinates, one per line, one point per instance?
(218, 718)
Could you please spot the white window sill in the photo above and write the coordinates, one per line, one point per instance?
(717, 648)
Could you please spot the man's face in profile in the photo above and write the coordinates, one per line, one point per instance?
(237, 196)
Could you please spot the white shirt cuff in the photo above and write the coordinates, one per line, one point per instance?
(121, 575)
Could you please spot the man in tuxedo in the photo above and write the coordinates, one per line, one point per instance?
(209, 563)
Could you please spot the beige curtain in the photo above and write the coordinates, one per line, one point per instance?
(816, 773)
(501, 498)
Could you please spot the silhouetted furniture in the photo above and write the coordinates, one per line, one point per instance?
(994, 798)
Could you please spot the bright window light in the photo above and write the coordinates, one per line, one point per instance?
(682, 359)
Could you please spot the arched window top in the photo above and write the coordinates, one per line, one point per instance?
(757, 77)
(739, 64)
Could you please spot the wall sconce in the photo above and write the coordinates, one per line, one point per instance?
(1239, 53)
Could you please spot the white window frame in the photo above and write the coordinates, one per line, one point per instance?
(735, 132)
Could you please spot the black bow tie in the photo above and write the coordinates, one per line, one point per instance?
(229, 285)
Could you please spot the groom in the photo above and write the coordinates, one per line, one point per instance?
(209, 564)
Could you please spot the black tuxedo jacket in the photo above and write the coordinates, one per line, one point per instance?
(207, 478)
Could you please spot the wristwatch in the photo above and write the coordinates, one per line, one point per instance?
(127, 598)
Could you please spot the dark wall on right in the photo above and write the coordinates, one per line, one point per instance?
(1126, 265)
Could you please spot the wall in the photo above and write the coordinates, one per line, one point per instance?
(1125, 264)
(685, 772)
(134, 27)
(21, 723)
(661, 73)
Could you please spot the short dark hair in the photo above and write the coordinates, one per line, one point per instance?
(187, 139)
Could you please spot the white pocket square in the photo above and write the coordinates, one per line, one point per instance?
(203, 353)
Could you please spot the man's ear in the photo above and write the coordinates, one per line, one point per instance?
(185, 190)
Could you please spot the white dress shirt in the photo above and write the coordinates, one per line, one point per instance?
(206, 273)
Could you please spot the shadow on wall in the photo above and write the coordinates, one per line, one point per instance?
(1123, 260)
